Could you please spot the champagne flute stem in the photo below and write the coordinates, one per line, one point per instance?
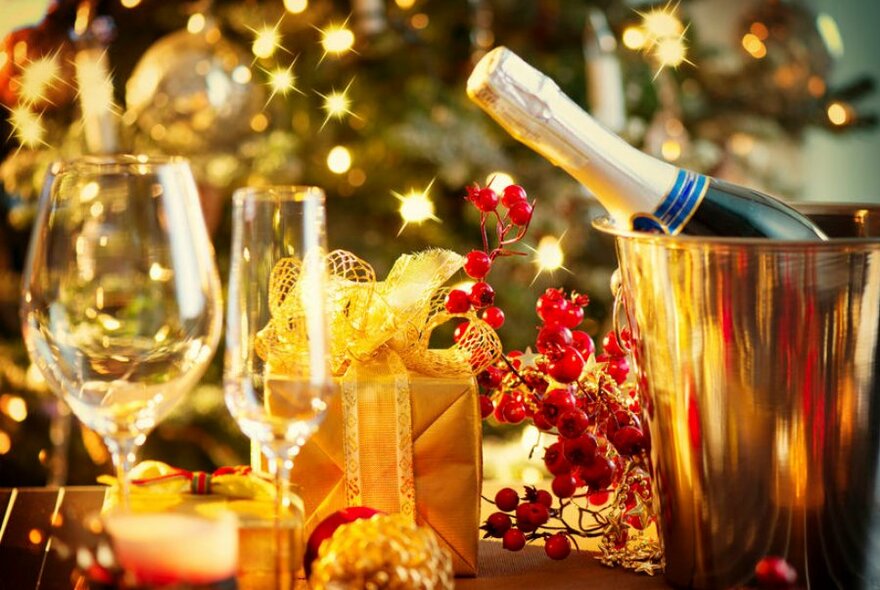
(281, 465)
(122, 451)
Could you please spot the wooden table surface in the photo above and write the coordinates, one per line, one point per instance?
(28, 559)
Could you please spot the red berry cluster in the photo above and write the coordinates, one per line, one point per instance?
(520, 516)
(478, 263)
(599, 437)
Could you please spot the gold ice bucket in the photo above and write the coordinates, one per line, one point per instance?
(759, 367)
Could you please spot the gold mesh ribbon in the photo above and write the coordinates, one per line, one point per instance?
(379, 330)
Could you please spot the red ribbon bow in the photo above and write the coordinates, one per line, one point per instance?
(199, 481)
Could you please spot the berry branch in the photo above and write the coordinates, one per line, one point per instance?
(585, 401)
(478, 263)
(568, 391)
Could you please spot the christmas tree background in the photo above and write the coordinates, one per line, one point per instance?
(366, 99)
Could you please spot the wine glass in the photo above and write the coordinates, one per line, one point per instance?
(277, 377)
(121, 306)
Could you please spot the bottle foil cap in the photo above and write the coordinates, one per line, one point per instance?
(512, 91)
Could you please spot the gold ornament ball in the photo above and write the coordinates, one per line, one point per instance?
(193, 91)
(385, 552)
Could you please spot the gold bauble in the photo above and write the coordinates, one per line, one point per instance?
(385, 552)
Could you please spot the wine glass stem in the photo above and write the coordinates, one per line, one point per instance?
(122, 451)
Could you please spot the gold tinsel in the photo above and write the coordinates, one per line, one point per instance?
(383, 552)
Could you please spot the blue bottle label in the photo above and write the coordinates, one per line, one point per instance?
(677, 207)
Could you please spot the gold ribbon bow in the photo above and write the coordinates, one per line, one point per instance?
(369, 317)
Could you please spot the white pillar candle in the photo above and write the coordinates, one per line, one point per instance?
(168, 548)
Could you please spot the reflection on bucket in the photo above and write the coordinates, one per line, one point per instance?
(759, 364)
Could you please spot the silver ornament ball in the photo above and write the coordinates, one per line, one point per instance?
(192, 92)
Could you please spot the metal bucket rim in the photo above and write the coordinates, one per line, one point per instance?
(605, 224)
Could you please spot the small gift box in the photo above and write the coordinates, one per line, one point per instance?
(403, 435)
(158, 488)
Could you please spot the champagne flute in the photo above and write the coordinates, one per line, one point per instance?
(121, 307)
(277, 369)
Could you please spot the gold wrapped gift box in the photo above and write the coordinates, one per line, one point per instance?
(446, 452)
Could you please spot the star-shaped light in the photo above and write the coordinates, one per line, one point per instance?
(671, 52)
(27, 126)
(38, 77)
(267, 41)
(281, 81)
(336, 39)
(416, 206)
(662, 34)
(336, 104)
(548, 255)
(661, 23)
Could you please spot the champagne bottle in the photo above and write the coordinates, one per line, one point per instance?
(637, 189)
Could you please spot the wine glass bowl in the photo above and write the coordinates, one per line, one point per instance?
(121, 306)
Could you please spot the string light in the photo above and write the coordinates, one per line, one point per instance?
(336, 104)
(130, 3)
(339, 160)
(27, 126)
(498, 181)
(416, 206)
(759, 30)
(816, 86)
(296, 6)
(671, 150)
(5, 443)
(241, 74)
(741, 144)
(38, 78)
(14, 407)
(35, 536)
(357, 177)
(419, 21)
(405, 4)
(259, 122)
(753, 44)
(838, 113)
(634, 38)
(196, 23)
(336, 39)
